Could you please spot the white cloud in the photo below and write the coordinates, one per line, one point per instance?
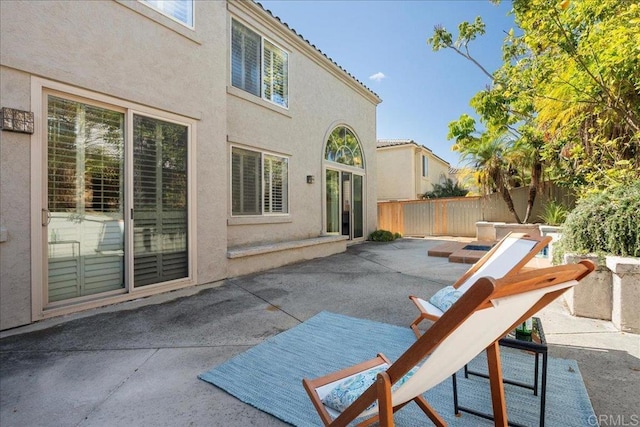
(377, 76)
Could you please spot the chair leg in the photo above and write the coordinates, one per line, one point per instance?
(385, 409)
(430, 412)
(498, 399)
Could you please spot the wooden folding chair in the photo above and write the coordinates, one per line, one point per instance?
(506, 258)
(484, 314)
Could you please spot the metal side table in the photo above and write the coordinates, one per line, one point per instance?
(538, 346)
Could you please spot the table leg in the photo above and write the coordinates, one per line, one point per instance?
(536, 371)
(543, 390)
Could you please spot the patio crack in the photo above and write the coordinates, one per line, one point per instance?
(116, 388)
(276, 307)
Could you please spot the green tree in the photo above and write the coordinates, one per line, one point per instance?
(567, 94)
(488, 154)
(506, 152)
(584, 59)
(448, 188)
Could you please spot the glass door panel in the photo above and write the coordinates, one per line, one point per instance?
(160, 214)
(85, 229)
(332, 202)
(346, 204)
(357, 217)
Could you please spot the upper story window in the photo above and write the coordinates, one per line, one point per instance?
(343, 147)
(259, 66)
(179, 10)
(425, 166)
(259, 183)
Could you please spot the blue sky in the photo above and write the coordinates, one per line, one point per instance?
(422, 91)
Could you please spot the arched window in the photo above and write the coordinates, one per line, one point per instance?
(343, 147)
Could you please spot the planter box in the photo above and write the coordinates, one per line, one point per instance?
(504, 229)
(486, 231)
(626, 293)
(593, 297)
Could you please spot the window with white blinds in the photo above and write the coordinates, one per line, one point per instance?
(275, 79)
(275, 184)
(245, 182)
(259, 183)
(180, 10)
(245, 59)
(259, 66)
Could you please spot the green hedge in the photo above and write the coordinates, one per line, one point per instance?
(607, 223)
(383, 236)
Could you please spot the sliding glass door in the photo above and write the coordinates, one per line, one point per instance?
(344, 203)
(91, 213)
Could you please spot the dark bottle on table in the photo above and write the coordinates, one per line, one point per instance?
(524, 330)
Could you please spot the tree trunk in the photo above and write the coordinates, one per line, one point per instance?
(536, 174)
(507, 198)
(532, 198)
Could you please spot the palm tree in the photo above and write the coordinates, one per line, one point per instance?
(489, 156)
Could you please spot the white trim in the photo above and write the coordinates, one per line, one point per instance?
(340, 168)
(40, 308)
(332, 127)
(37, 245)
(277, 217)
(165, 20)
(230, 70)
(173, 18)
(243, 94)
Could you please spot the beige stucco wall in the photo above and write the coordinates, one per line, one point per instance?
(438, 171)
(396, 173)
(318, 101)
(15, 273)
(130, 52)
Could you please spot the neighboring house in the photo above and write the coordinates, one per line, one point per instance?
(407, 170)
(152, 145)
(455, 174)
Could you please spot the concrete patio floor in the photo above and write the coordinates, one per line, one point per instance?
(136, 363)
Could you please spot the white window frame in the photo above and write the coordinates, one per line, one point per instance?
(262, 71)
(40, 89)
(286, 189)
(190, 25)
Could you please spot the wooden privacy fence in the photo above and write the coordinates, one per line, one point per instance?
(458, 216)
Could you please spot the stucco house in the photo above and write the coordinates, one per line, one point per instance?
(406, 170)
(152, 145)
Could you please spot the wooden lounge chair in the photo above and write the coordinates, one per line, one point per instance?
(484, 314)
(506, 258)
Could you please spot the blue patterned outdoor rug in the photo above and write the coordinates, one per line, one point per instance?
(269, 376)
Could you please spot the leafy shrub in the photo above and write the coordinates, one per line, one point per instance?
(448, 188)
(604, 223)
(383, 236)
(554, 213)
